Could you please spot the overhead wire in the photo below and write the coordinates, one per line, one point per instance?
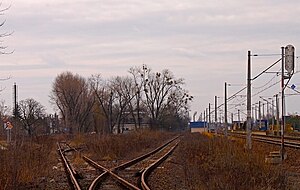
(266, 82)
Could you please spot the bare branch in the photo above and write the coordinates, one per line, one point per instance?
(5, 9)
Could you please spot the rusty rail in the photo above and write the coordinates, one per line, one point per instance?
(71, 173)
(149, 169)
(123, 166)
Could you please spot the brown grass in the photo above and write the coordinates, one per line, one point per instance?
(219, 163)
(124, 146)
(25, 161)
(208, 162)
(29, 162)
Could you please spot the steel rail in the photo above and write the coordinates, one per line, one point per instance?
(269, 136)
(122, 166)
(291, 145)
(107, 171)
(97, 180)
(278, 142)
(69, 170)
(140, 158)
(149, 169)
(272, 140)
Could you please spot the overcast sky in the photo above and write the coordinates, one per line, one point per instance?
(204, 42)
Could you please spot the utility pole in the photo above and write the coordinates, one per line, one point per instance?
(15, 111)
(268, 109)
(268, 115)
(259, 113)
(206, 118)
(209, 119)
(239, 118)
(248, 139)
(255, 107)
(263, 111)
(252, 114)
(277, 114)
(225, 111)
(282, 104)
(216, 113)
(273, 119)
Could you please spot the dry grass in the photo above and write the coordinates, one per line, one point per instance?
(124, 146)
(218, 163)
(208, 162)
(25, 161)
(29, 161)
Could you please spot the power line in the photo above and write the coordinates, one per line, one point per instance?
(266, 69)
(266, 88)
(267, 82)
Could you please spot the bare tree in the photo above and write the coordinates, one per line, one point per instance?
(104, 97)
(2, 46)
(4, 34)
(136, 104)
(159, 88)
(113, 96)
(175, 116)
(125, 92)
(30, 112)
(157, 94)
(74, 98)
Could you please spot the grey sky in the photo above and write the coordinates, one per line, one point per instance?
(204, 42)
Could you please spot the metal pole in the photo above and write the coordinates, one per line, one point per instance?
(263, 111)
(268, 115)
(255, 115)
(268, 109)
(232, 124)
(225, 111)
(15, 101)
(277, 114)
(248, 140)
(209, 119)
(273, 119)
(239, 119)
(206, 119)
(259, 113)
(216, 113)
(282, 104)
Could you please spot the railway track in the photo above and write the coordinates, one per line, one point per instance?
(292, 142)
(129, 175)
(80, 174)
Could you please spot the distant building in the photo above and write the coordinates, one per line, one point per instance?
(197, 126)
(130, 122)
